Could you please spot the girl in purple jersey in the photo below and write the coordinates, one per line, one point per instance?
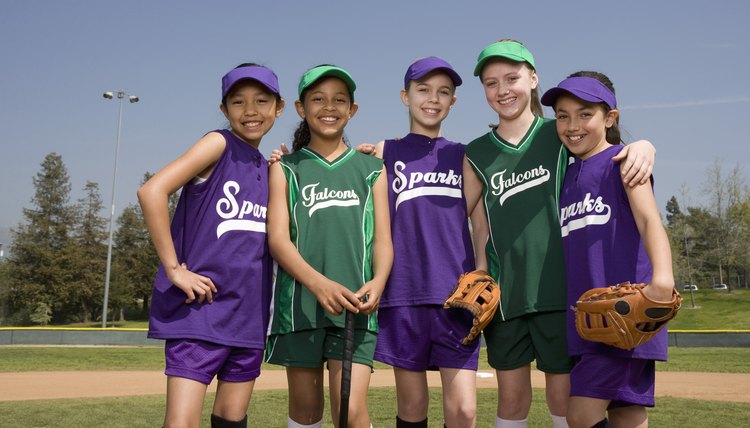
(212, 293)
(617, 237)
(432, 248)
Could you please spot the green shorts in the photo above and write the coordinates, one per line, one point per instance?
(310, 348)
(538, 336)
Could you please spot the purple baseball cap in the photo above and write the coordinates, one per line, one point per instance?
(585, 88)
(421, 67)
(261, 74)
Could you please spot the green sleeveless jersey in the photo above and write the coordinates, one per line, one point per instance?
(521, 187)
(332, 224)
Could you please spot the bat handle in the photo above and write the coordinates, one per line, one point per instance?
(346, 369)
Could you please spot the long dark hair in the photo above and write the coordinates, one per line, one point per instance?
(613, 132)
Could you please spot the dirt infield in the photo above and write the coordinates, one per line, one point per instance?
(77, 384)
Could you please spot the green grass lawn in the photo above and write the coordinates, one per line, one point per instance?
(268, 409)
(117, 324)
(701, 310)
(48, 358)
(713, 310)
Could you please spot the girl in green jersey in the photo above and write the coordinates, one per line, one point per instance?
(329, 231)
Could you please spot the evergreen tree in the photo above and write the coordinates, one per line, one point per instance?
(40, 251)
(89, 263)
(137, 260)
(4, 290)
(673, 211)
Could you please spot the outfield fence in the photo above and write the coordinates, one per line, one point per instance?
(137, 337)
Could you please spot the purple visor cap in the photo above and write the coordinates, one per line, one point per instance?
(421, 67)
(263, 75)
(585, 88)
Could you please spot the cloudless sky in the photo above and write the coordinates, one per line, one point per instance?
(680, 70)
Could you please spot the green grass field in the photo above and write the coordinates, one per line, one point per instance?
(714, 310)
(701, 310)
(704, 309)
(44, 358)
(268, 409)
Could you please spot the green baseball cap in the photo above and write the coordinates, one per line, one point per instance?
(513, 51)
(316, 73)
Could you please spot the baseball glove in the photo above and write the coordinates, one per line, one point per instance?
(479, 294)
(622, 315)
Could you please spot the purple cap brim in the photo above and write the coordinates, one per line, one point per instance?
(261, 74)
(585, 88)
(424, 66)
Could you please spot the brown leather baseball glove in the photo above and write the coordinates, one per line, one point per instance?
(478, 293)
(622, 315)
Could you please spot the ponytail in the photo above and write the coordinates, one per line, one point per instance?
(536, 105)
(301, 136)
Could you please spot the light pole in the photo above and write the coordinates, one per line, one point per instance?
(133, 99)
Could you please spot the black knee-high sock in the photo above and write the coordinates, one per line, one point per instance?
(217, 422)
(403, 424)
(601, 424)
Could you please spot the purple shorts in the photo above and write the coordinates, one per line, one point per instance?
(623, 381)
(427, 337)
(201, 361)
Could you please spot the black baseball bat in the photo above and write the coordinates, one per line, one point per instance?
(346, 370)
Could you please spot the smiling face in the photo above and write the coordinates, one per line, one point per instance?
(507, 87)
(327, 107)
(251, 110)
(582, 126)
(429, 100)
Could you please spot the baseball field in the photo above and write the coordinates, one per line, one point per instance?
(124, 387)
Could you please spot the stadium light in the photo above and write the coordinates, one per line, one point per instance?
(133, 99)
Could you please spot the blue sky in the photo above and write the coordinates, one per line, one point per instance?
(678, 68)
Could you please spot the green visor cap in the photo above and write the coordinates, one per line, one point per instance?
(314, 74)
(510, 50)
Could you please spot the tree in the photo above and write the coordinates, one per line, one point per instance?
(725, 193)
(41, 246)
(42, 314)
(673, 211)
(137, 260)
(4, 290)
(89, 249)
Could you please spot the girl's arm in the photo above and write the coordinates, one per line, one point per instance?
(480, 230)
(382, 258)
(648, 220)
(153, 196)
(475, 208)
(331, 295)
(636, 162)
(472, 186)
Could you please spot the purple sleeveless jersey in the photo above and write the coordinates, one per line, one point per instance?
(602, 244)
(219, 231)
(431, 240)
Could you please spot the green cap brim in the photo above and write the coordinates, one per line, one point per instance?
(509, 50)
(315, 74)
